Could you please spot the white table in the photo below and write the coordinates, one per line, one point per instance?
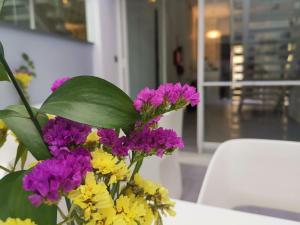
(193, 214)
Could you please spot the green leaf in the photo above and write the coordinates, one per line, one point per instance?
(92, 100)
(1, 46)
(21, 154)
(6, 113)
(26, 132)
(15, 204)
(3, 72)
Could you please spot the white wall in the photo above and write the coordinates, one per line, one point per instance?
(56, 56)
(53, 56)
(108, 19)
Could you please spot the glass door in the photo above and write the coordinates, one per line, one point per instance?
(251, 66)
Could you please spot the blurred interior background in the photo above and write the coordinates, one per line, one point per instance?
(242, 55)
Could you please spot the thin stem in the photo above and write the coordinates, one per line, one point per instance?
(61, 213)
(115, 189)
(71, 210)
(21, 95)
(136, 168)
(69, 206)
(67, 220)
(5, 169)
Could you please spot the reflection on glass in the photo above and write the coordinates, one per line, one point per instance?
(66, 17)
(252, 112)
(261, 36)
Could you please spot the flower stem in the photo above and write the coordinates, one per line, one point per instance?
(70, 209)
(21, 95)
(61, 213)
(5, 169)
(137, 168)
(67, 220)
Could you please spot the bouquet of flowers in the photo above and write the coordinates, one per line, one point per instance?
(89, 140)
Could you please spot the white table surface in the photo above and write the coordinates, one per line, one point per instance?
(193, 214)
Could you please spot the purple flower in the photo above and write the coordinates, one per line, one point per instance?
(148, 96)
(57, 83)
(107, 136)
(158, 140)
(53, 177)
(110, 138)
(171, 92)
(190, 94)
(59, 133)
(166, 93)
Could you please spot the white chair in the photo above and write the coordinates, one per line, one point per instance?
(166, 170)
(253, 172)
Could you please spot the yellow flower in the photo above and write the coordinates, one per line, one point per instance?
(158, 194)
(2, 125)
(33, 164)
(92, 137)
(24, 78)
(11, 221)
(94, 200)
(148, 186)
(108, 165)
(50, 116)
(132, 211)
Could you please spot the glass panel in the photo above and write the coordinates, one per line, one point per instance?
(252, 40)
(17, 13)
(252, 112)
(66, 17)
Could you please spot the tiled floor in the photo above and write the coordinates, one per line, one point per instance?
(222, 122)
(192, 181)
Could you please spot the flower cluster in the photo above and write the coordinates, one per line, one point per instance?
(110, 138)
(11, 221)
(60, 133)
(155, 141)
(157, 196)
(132, 208)
(94, 200)
(109, 166)
(53, 177)
(150, 141)
(97, 168)
(166, 96)
(98, 206)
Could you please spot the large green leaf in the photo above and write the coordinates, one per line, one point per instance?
(26, 132)
(14, 202)
(1, 46)
(92, 101)
(6, 113)
(3, 72)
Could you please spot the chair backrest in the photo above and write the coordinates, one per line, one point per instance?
(254, 172)
(167, 170)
